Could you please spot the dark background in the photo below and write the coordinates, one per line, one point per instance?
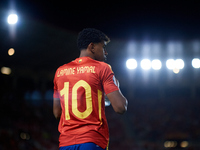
(162, 105)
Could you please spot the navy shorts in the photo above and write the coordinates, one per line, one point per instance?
(84, 146)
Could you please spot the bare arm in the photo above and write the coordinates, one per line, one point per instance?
(57, 111)
(118, 101)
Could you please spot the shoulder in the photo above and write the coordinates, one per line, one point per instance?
(101, 63)
(103, 67)
(106, 66)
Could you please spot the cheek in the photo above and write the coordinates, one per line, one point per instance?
(100, 51)
(103, 53)
(100, 55)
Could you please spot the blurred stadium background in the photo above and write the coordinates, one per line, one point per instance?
(164, 103)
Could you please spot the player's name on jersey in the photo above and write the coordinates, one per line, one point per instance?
(76, 70)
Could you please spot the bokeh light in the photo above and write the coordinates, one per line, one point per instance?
(6, 70)
(184, 144)
(131, 64)
(11, 51)
(196, 63)
(175, 64)
(146, 64)
(12, 19)
(179, 64)
(156, 64)
(170, 64)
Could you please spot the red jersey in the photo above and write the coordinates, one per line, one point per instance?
(80, 85)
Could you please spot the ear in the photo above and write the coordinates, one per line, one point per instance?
(91, 47)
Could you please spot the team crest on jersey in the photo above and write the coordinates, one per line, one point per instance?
(80, 60)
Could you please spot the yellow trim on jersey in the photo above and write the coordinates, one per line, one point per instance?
(107, 145)
(99, 100)
(110, 67)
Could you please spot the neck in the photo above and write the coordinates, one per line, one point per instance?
(84, 53)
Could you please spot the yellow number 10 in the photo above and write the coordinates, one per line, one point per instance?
(88, 97)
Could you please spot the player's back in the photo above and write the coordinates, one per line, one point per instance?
(79, 86)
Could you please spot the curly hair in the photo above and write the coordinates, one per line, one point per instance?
(90, 35)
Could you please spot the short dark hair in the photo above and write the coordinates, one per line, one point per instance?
(90, 35)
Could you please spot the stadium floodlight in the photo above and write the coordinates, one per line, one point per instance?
(145, 64)
(131, 64)
(179, 64)
(175, 64)
(196, 63)
(170, 63)
(12, 19)
(156, 64)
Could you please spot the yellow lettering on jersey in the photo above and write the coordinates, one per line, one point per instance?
(86, 69)
(68, 71)
(78, 70)
(88, 97)
(92, 69)
(65, 92)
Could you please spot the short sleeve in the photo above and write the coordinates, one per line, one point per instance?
(108, 79)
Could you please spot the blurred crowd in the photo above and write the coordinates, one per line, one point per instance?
(149, 123)
(28, 123)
